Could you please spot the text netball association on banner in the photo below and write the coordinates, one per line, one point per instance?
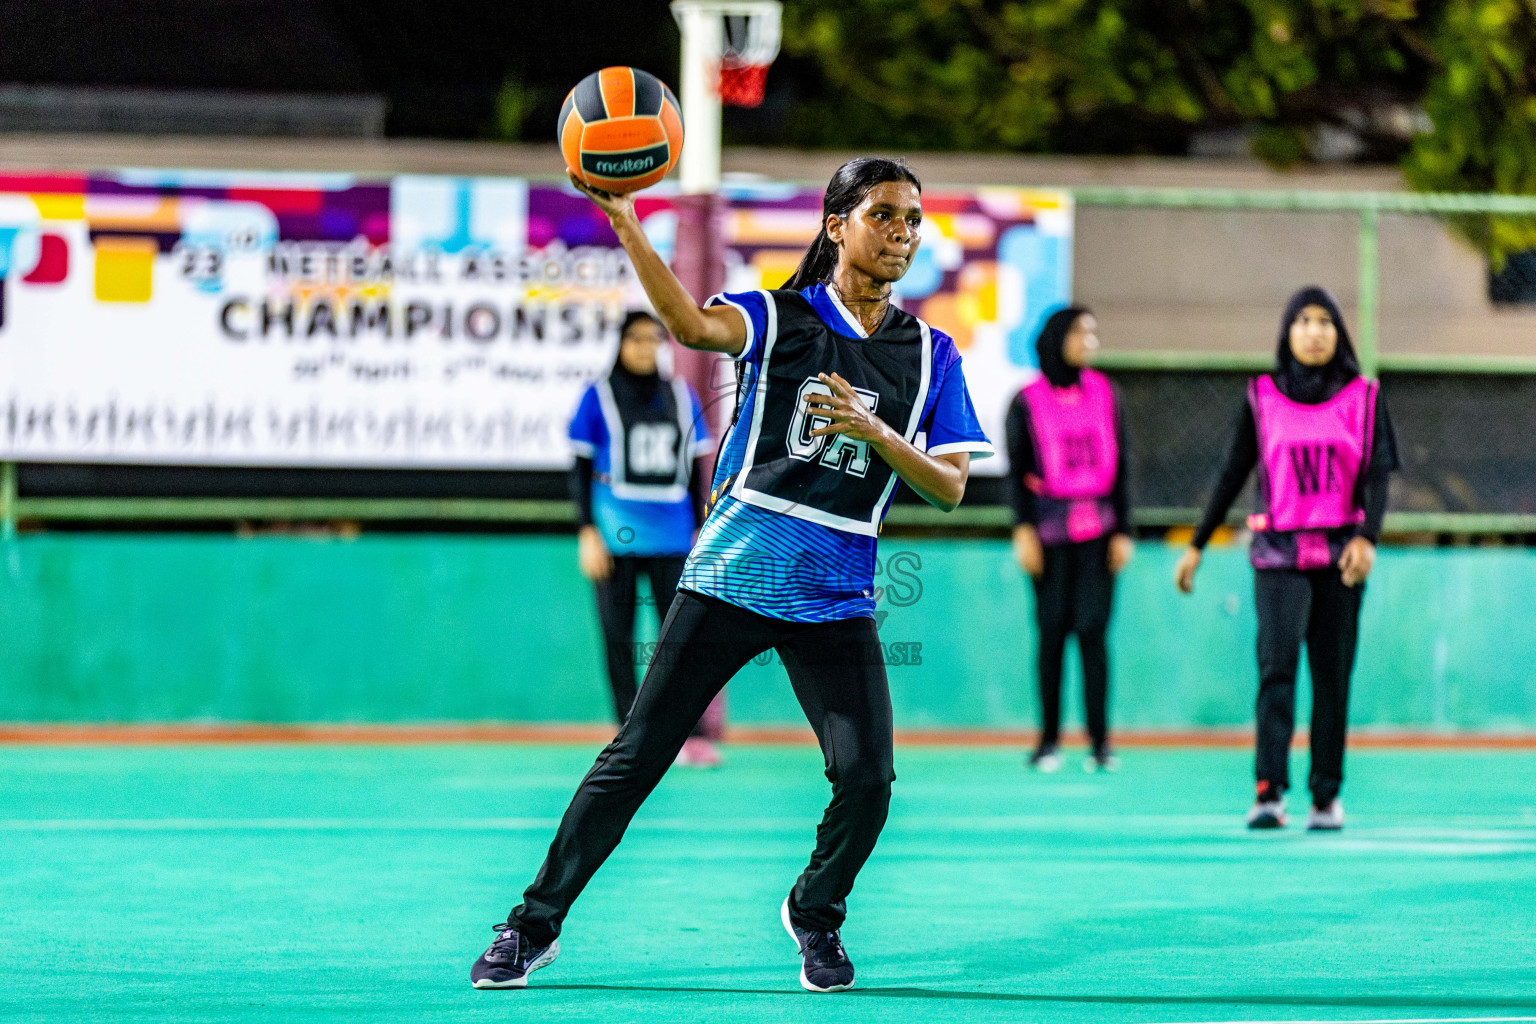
(301, 320)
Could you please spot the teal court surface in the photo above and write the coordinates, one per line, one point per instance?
(358, 883)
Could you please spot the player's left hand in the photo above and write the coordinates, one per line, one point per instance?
(1356, 561)
(1120, 551)
(847, 411)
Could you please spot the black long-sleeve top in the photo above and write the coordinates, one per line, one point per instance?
(1243, 455)
(1022, 460)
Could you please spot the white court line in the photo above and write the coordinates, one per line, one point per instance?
(927, 826)
(752, 826)
(272, 824)
(1213, 827)
(924, 826)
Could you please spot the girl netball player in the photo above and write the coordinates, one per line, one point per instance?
(1066, 477)
(843, 394)
(1319, 433)
(638, 499)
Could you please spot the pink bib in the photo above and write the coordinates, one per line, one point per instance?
(1077, 452)
(1074, 431)
(1311, 456)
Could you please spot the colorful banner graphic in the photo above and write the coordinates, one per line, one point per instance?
(319, 320)
(993, 264)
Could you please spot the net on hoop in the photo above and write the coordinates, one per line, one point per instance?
(751, 44)
(743, 85)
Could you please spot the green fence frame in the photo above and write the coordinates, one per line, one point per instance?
(1367, 206)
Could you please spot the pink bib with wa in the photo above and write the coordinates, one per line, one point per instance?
(1077, 453)
(1311, 456)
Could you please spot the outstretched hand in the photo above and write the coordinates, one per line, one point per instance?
(847, 411)
(614, 204)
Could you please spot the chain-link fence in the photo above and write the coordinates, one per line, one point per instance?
(1464, 440)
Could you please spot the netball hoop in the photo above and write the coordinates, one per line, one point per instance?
(728, 46)
(751, 44)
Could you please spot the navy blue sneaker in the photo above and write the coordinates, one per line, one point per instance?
(824, 966)
(510, 959)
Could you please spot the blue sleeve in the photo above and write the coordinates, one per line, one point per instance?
(701, 439)
(953, 426)
(753, 307)
(588, 432)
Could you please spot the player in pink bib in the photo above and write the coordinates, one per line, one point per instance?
(1066, 477)
(1319, 435)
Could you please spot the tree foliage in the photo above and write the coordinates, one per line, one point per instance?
(1447, 87)
(1482, 104)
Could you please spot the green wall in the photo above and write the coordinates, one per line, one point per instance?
(411, 628)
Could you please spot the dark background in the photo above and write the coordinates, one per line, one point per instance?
(439, 66)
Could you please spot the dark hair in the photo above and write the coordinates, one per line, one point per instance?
(845, 191)
(633, 317)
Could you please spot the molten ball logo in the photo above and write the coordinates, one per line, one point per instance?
(632, 163)
(625, 166)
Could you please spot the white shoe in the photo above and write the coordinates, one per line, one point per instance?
(698, 752)
(1102, 761)
(1046, 760)
(1267, 814)
(1326, 819)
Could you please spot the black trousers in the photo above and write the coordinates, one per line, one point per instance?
(1074, 595)
(838, 675)
(616, 597)
(1317, 607)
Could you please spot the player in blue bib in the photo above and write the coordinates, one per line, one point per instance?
(842, 395)
(636, 435)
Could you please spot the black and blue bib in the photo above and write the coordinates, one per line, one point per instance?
(831, 480)
(651, 438)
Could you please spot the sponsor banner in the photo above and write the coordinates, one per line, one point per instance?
(220, 318)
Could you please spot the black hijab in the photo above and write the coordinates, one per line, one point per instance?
(1312, 384)
(639, 388)
(1049, 345)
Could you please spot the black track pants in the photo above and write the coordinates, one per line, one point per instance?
(1315, 607)
(616, 597)
(1074, 595)
(838, 676)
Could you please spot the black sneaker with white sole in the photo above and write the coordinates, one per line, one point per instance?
(1267, 814)
(1328, 818)
(510, 959)
(824, 966)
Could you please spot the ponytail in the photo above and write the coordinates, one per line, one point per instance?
(816, 265)
(846, 190)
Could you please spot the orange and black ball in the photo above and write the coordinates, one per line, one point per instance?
(620, 130)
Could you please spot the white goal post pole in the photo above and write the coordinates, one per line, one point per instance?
(702, 23)
(703, 44)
